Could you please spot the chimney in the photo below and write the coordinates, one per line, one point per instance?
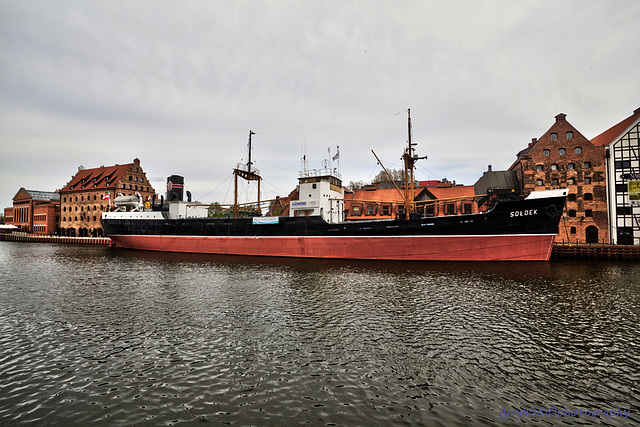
(636, 111)
(533, 141)
(560, 117)
(489, 168)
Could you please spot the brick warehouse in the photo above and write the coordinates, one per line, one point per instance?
(564, 158)
(34, 211)
(91, 192)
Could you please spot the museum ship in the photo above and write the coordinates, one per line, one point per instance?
(512, 230)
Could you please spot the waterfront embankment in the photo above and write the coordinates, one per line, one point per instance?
(39, 238)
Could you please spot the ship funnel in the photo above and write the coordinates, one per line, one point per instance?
(175, 188)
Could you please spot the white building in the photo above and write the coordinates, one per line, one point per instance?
(622, 144)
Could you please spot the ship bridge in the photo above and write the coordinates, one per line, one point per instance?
(319, 194)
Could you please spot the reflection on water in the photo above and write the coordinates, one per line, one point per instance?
(93, 335)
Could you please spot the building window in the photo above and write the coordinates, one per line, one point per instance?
(588, 196)
(586, 165)
(546, 153)
(539, 183)
(569, 135)
(554, 181)
(554, 167)
(572, 213)
(621, 188)
(624, 210)
(466, 208)
(588, 213)
(573, 230)
(571, 181)
(370, 211)
(623, 164)
(356, 211)
(572, 197)
(571, 166)
(578, 150)
(562, 151)
(539, 168)
(450, 209)
(587, 181)
(554, 136)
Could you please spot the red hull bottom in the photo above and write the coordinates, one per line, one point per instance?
(531, 247)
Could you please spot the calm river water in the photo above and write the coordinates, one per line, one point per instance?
(91, 335)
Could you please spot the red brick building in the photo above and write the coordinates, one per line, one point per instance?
(564, 158)
(92, 191)
(34, 211)
(438, 198)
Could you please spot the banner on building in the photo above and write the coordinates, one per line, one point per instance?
(634, 193)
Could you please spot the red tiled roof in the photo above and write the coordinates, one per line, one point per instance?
(392, 195)
(377, 195)
(611, 134)
(451, 192)
(99, 178)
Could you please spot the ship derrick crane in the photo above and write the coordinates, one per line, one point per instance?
(248, 173)
(409, 158)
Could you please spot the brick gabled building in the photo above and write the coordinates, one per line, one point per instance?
(564, 158)
(440, 198)
(34, 211)
(92, 191)
(622, 145)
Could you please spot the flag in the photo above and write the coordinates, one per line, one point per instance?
(107, 197)
(337, 156)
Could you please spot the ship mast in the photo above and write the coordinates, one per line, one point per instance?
(248, 174)
(409, 183)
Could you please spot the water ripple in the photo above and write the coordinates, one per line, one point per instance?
(89, 335)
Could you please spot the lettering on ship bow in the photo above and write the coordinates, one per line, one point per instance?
(527, 212)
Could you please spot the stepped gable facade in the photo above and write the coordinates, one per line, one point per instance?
(564, 158)
(92, 191)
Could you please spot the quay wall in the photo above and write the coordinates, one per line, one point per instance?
(595, 251)
(35, 238)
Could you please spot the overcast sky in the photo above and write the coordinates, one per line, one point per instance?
(179, 84)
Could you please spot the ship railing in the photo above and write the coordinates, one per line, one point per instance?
(245, 167)
(310, 173)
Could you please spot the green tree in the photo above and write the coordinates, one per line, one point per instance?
(396, 175)
(356, 185)
(215, 210)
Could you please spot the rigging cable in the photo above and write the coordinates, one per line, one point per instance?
(329, 127)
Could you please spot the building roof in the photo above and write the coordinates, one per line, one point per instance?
(496, 180)
(375, 195)
(610, 135)
(103, 177)
(455, 191)
(43, 195)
